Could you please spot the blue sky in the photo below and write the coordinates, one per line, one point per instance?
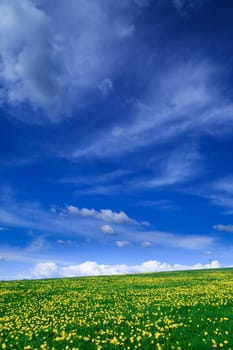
(116, 136)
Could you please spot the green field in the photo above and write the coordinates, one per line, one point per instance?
(170, 310)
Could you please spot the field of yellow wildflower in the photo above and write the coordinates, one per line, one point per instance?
(170, 310)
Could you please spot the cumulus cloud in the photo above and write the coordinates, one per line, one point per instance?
(92, 268)
(103, 214)
(224, 228)
(84, 269)
(45, 269)
(108, 230)
(86, 223)
(122, 244)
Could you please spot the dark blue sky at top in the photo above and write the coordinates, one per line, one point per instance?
(115, 136)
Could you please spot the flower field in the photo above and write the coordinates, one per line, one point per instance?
(170, 310)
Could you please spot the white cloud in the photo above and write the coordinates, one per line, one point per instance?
(95, 180)
(28, 69)
(224, 228)
(84, 269)
(45, 269)
(66, 242)
(82, 212)
(109, 215)
(122, 244)
(103, 214)
(124, 30)
(181, 165)
(17, 255)
(146, 244)
(142, 3)
(186, 6)
(92, 268)
(31, 216)
(183, 103)
(222, 200)
(167, 239)
(193, 242)
(11, 217)
(117, 131)
(90, 45)
(53, 209)
(108, 230)
(105, 87)
(224, 185)
(37, 244)
(213, 264)
(73, 223)
(54, 58)
(220, 193)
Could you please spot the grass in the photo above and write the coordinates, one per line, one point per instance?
(170, 310)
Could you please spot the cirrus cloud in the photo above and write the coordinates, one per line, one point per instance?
(224, 228)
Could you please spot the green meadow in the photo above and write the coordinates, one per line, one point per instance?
(169, 310)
